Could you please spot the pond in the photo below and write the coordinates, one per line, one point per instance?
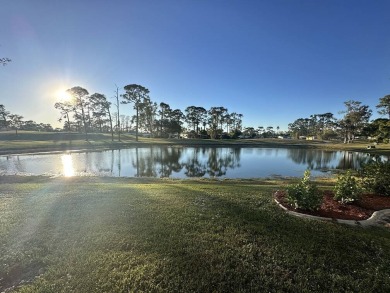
(185, 162)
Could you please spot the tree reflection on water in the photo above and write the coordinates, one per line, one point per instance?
(323, 159)
(186, 162)
(197, 162)
(194, 167)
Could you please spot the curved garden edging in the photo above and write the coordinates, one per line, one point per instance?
(378, 218)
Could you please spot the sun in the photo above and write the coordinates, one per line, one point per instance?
(63, 96)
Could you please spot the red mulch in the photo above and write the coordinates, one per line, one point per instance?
(330, 208)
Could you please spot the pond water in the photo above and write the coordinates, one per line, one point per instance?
(185, 162)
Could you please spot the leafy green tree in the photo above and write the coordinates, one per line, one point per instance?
(260, 130)
(299, 127)
(228, 121)
(379, 128)
(384, 106)
(319, 125)
(102, 109)
(270, 131)
(384, 130)
(15, 122)
(30, 125)
(355, 119)
(224, 117)
(234, 121)
(216, 119)
(326, 125)
(175, 122)
(139, 96)
(80, 98)
(239, 121)
(147, 116)
(65, 109)
(164, 112)
(195, 116)
(45, 127)
(249, 131)
(3, 116)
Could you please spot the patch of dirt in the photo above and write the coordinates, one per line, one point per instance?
(361, 209)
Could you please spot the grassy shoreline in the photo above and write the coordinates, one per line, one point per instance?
(163, 235)
(35, 142)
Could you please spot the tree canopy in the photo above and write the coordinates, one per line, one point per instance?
(384, 106)
(139, 97)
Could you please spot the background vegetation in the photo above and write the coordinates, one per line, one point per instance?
(84, 112)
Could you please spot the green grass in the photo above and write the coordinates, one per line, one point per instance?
(152, 235)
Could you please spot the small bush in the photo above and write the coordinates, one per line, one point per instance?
(305, 194)
(347, 188)
(376, 177)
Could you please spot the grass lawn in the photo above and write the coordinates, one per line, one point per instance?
(156, 235)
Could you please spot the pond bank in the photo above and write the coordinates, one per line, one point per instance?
(42, 143)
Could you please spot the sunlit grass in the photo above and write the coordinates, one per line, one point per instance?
(150, 235)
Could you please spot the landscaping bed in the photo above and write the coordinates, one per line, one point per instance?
(361, 209)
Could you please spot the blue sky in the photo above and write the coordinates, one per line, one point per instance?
(272, 61)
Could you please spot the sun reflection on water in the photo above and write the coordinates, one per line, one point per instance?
(67, 164)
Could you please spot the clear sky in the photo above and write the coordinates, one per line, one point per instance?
(271, 60)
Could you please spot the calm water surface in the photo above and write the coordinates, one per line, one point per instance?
(185, 162)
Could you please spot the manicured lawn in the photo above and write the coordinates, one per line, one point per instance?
(152, 235)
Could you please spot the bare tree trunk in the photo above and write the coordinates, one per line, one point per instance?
(117, 107)
(112, 131)
(136, 124)
(84, 122)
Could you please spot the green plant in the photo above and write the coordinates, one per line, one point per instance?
(376, 177)
(304, 195)
(347, 188)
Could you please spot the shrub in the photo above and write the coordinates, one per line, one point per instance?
(376, 177)
(305, 194)
(347, 188)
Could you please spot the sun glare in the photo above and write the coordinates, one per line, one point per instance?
(67, 164)
(63, 96)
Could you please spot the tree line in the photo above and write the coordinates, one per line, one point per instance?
(16, 122)
(355, 122)
(92, 113)
(84, 112)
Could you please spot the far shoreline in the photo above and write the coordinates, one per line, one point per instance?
(39, 143)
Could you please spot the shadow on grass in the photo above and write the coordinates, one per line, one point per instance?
(118, 235)
(244, 244)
